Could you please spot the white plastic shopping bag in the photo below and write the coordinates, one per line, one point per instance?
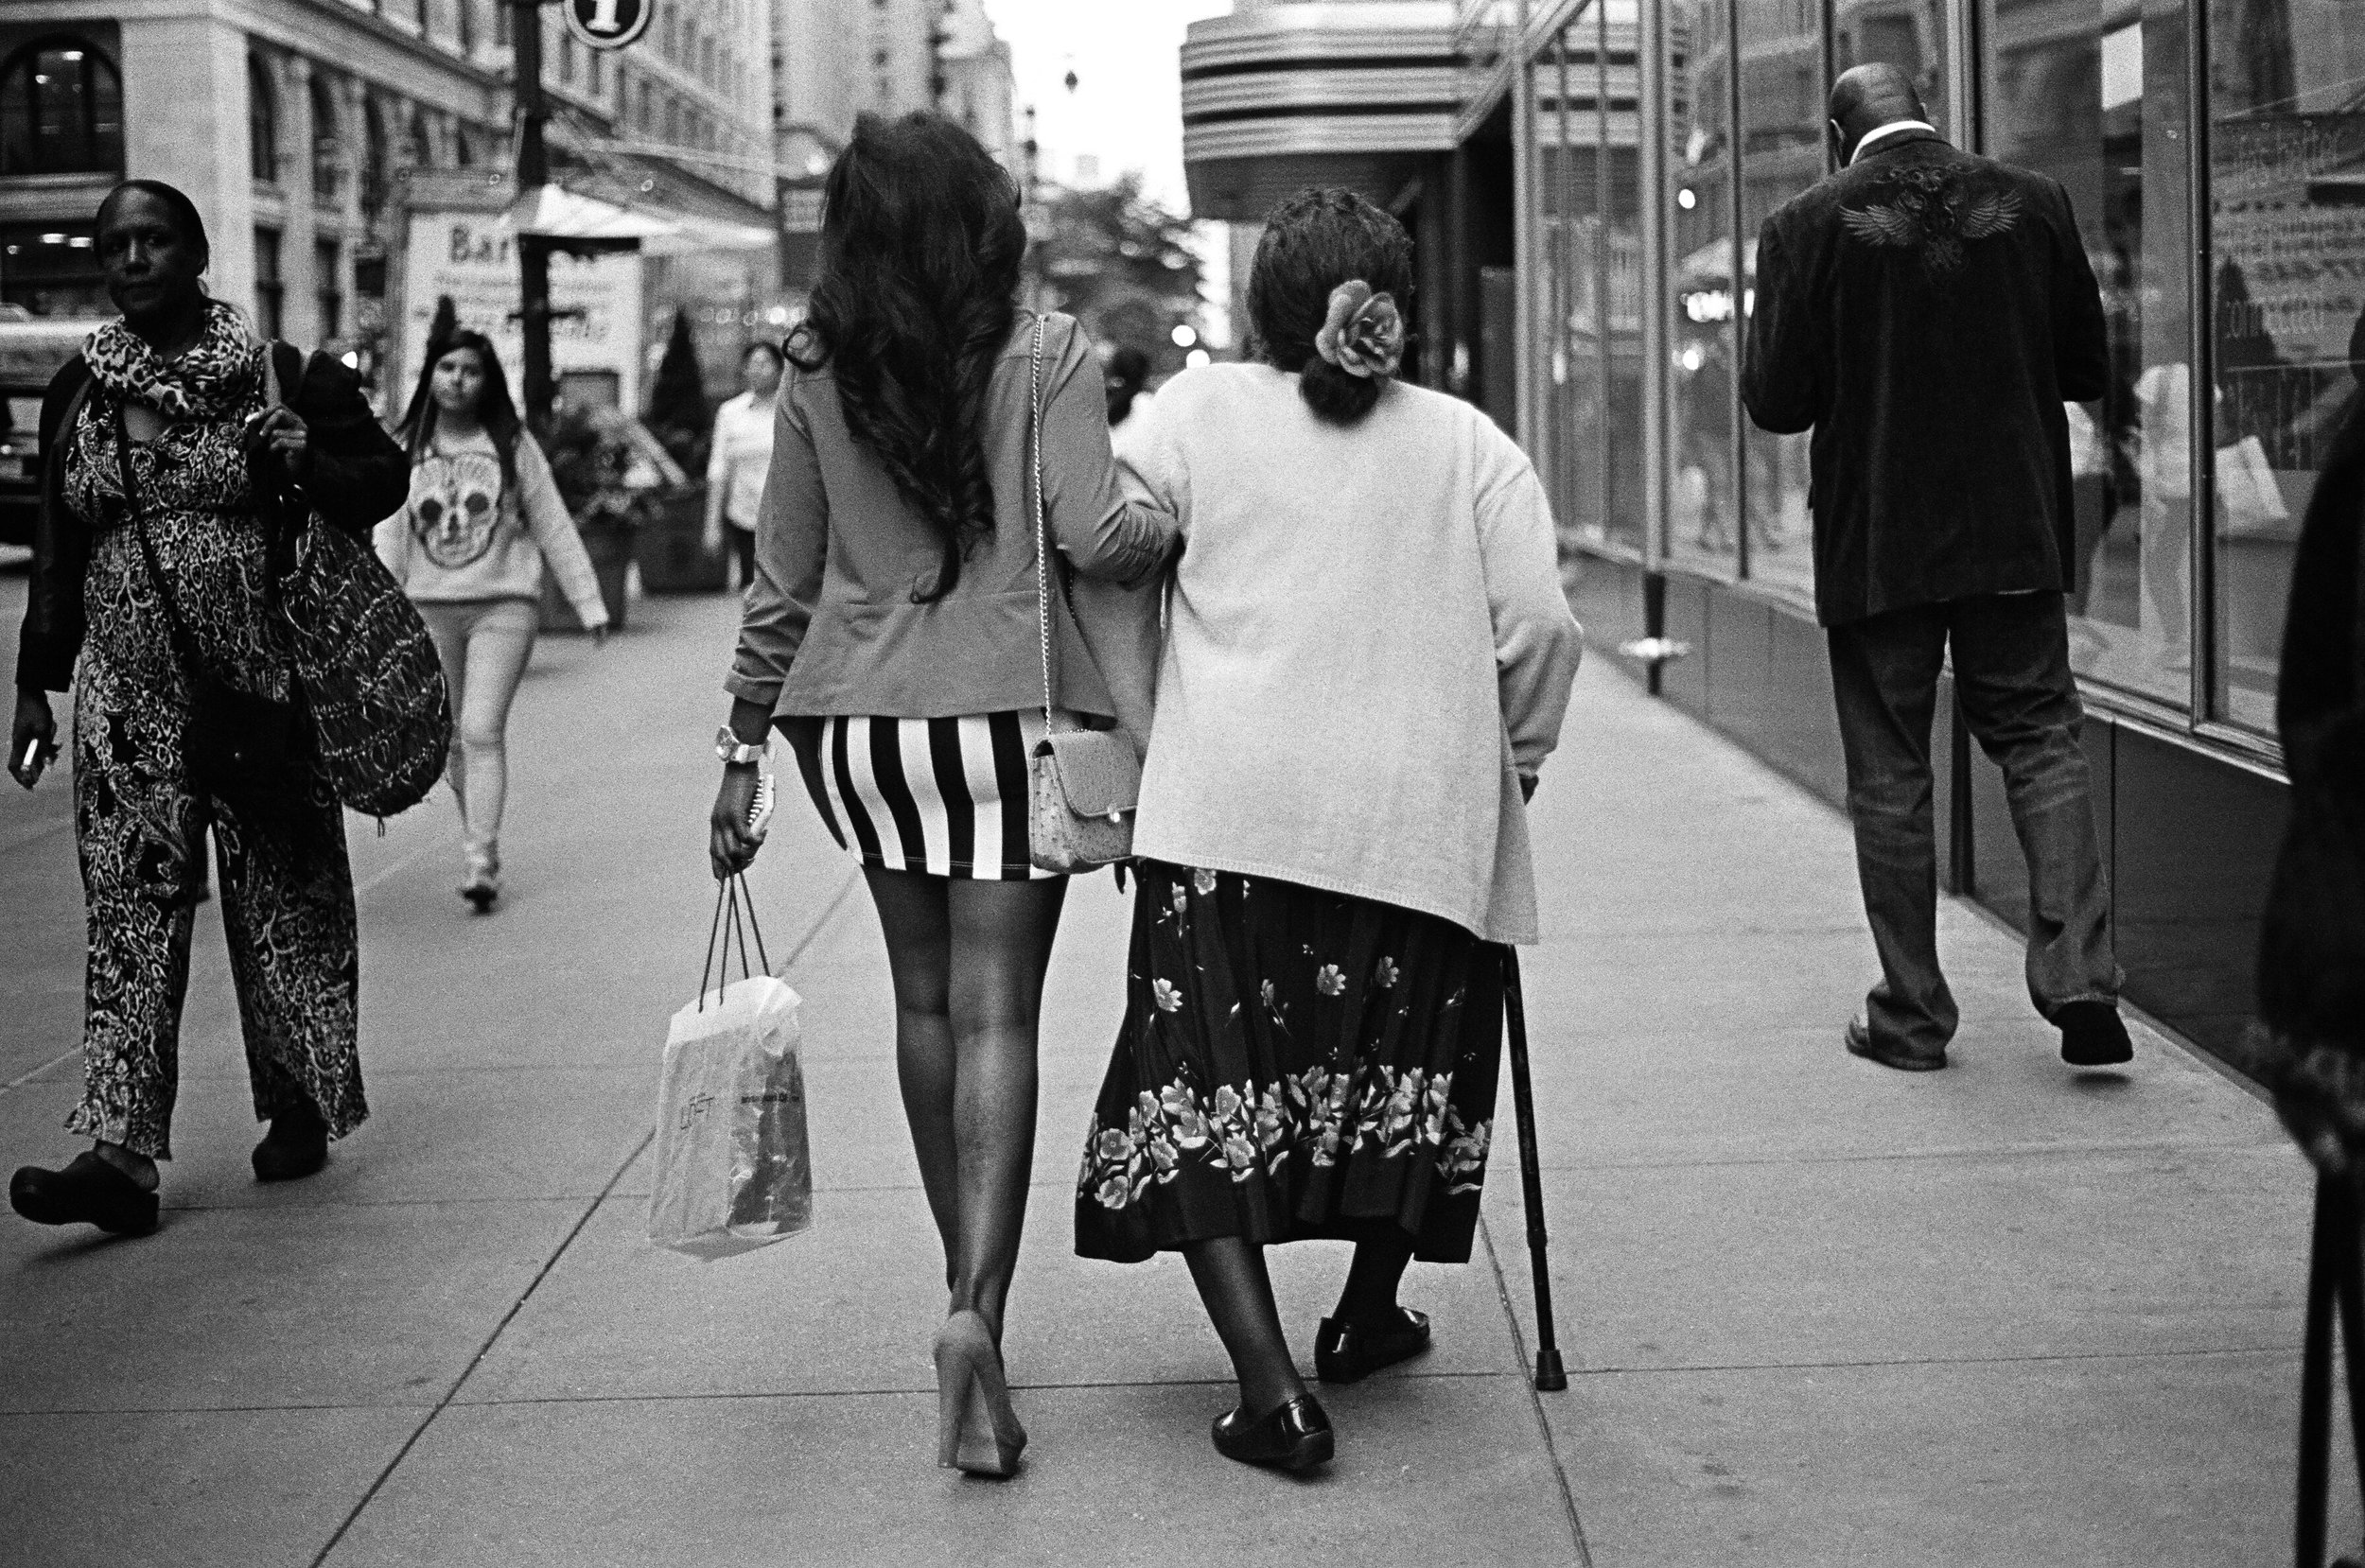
(734, 1170)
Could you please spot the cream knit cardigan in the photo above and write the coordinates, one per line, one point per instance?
(1367, 646)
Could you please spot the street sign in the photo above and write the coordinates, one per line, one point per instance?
(609, 24)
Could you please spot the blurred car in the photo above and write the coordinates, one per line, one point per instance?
(31, 350)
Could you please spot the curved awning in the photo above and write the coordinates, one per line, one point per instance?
(1277, 98)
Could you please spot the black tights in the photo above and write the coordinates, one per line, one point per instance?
(968, 959)
(1238, 1292)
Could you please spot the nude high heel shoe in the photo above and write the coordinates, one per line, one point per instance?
(977, 1432)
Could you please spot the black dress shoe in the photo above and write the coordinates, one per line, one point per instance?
(1862, 1043)
(87, 1191)
(2093, 1034)
(296, 1146)
(1346, 1352)
(1294, 1437)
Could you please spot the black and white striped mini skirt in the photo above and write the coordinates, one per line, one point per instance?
(944, 797)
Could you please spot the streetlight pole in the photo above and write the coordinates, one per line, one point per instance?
(534, 253)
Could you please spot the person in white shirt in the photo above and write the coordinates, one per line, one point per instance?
(742, 455)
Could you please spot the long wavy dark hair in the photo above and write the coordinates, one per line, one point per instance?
(920, 247)
(494, 409)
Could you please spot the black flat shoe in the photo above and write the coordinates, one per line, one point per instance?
(2093, 1034)
(1351, 1353)
(1294, 1437)
(296, 1146)
(1861, 1044)
(87, 1191)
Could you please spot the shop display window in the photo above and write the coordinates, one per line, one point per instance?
(2100, 106)
(1702, 522)
(1785, 79)
(2286, 204)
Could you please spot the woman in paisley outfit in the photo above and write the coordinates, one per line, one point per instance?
(1368, 654)
(482, 519)
(181, 382)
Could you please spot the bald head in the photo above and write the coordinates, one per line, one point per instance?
(1868, 97)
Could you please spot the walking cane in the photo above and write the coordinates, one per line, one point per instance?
(2335, 1287)
(1551, 1376)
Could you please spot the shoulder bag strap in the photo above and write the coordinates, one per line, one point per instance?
(184, 644)
(1042, 527)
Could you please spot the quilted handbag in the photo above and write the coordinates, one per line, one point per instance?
(1083, 783)
(372, 682)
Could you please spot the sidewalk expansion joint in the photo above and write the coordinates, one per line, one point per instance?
(914, 1390)
(2290, 1348)
(2263, 1144)
(1536, 1402)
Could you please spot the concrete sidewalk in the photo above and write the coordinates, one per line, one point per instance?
(1817, 1313)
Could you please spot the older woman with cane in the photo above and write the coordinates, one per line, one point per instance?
(1368, 655)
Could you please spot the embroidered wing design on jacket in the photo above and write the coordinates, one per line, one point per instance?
(1882, 226)
(1930, 213)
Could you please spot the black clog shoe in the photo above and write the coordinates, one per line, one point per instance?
(88, 1192)
(296, 1146)
(1293, 1436)
(1351, 1353)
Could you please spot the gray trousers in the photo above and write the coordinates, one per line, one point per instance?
(2011, 669)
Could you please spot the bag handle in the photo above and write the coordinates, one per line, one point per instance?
(1042, 527)
(732, 900)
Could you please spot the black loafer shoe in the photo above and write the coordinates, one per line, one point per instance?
(1861, 1044)
(1351, 1353)
(296, 1146)
(2093, 1034)
(87, 1191)
(1294, 1437)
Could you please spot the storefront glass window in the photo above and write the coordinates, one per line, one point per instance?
(2286, 155)
(1618, 290)
(1701, 338)
(2100, 106)
(1783, 142)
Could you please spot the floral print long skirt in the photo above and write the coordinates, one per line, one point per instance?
(1294, 1064)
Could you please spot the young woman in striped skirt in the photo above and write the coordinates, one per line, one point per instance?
(890, 633)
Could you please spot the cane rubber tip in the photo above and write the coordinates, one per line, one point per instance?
(1551, 1376)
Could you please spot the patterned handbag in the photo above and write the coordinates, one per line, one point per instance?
(372, 682)
(1083, 783)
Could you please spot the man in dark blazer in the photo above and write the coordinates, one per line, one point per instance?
(1927, 313)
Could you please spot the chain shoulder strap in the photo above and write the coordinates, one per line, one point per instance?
(177, 629)
(1042, 527)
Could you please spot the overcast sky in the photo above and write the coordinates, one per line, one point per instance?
(1126, 107)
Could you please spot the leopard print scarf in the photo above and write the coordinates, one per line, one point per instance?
(215, 377)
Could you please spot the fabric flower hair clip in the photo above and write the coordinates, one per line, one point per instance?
(1363, 332)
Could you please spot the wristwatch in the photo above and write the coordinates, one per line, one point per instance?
(734, 752)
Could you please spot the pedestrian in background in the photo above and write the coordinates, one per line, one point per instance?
(153, 555)
(469, 545)
(1368, 656)
(891, 633)
(741, 455)
(1928, 313)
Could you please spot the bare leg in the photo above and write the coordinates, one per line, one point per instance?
(1238, 1294)
(1369, 1296)
(1001, 947)
(919, 939)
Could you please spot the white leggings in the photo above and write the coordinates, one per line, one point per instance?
(484, 644)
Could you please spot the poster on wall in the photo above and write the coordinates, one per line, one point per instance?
(472, 256)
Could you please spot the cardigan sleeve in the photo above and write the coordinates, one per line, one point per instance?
(546, 517)
(359, 473)
(1100, 529)
(1537, 641)
(792, 550)
(51, 638)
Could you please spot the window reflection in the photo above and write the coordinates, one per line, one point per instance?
(2094, 95)
(1701, 513)
(2287, 221)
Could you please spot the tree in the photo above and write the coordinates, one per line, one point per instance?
(1121, 264)
(678, 415)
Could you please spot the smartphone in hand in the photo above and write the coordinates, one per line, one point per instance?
(760, 813)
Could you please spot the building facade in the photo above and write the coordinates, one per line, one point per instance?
(1587, 179)
(295, 124)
